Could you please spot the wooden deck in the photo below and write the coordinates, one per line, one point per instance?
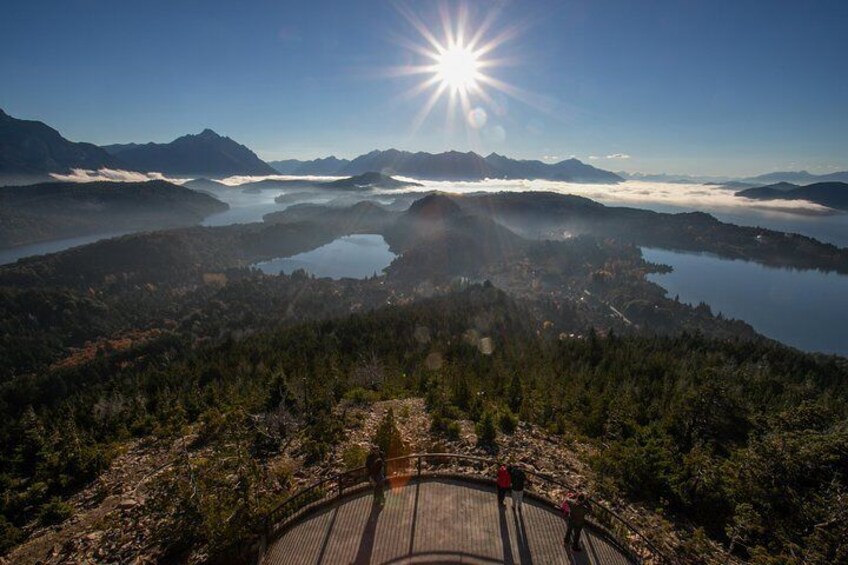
(435, 521)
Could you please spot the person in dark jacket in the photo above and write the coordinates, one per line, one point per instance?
(576, 520)
(504, 483)
(519, 481)
(375, 465)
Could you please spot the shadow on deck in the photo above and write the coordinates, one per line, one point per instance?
(435, 520)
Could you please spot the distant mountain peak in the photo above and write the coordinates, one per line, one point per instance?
(209, 134)
(205, 154)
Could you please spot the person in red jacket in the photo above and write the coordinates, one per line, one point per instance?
(504, 483)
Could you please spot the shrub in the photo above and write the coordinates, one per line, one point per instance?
(354, 457)
(281, 470)
(446, 426)
(388, 437)
(360, 396)
(9, 535)
(54, 511)
(453, 430)
(486, 431)
(507, 421)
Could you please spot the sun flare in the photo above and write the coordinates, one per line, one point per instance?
(456, 64)
(458, 68)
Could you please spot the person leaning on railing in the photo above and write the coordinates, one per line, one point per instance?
(575, 511)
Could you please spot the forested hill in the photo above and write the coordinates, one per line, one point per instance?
(550, 215)
(745, 442)
(56, 210)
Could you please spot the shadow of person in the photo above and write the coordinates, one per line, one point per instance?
(578, 557)
(524, 553)
(366, 542)
(505, 540)
(327, 534)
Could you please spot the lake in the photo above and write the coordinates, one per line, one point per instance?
(352, 256)
(42, 248)
(805, 309)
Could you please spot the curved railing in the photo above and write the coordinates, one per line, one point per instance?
(603, 518)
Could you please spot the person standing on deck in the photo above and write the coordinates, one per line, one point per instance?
(576, 520)
(375, 464)
(504, 483)
(518, 480)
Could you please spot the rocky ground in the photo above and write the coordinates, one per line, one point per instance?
(111, 523)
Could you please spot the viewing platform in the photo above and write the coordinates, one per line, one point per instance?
(436, 513)
(436, 521)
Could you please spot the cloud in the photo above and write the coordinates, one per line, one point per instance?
(114, 175)
(117, 175)
(643, 194)
(237, 180)
(593, 157)
(618, 156)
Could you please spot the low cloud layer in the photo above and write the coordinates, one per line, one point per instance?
(242, 179)
(639, 194)
(646, 194)
(114, 175)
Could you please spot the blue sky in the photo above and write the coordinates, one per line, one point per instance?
(702, 87)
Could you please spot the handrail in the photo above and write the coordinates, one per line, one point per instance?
(277, 516)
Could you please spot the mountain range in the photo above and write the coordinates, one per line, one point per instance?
(798, 177)
(206, 153)
(326, 166)
(449, 165)
(33, 150)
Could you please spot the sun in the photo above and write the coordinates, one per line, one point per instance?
(458, 68)
(456, 64)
